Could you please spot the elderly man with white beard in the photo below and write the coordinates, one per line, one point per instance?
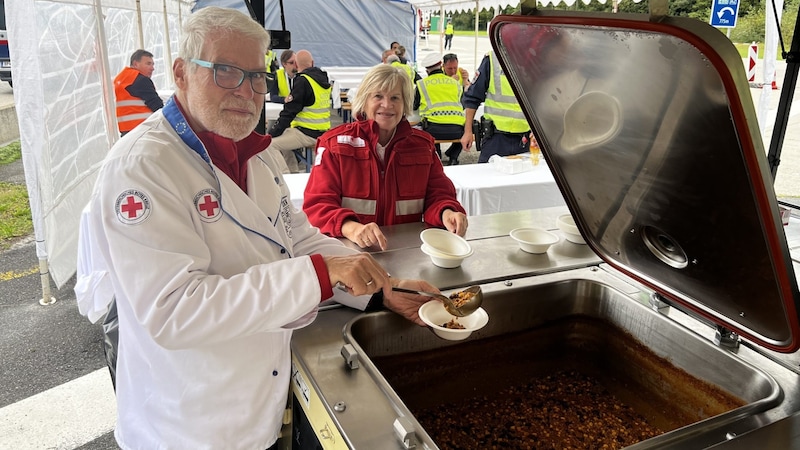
(191, 231)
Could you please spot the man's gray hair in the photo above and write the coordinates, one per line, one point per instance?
(211, 22)
(384, 78)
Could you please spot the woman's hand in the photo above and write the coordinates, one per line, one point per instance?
(455, 222)
(364, 236)
(407, 305)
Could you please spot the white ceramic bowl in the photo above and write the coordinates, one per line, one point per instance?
(445, 242)
(434, 315)
(442, 260)
(566, 223)
(534, 240)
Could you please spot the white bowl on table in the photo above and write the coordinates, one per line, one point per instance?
(534, 240)
(566, 223)
(434, 315)
(445, 242)
(443, 260)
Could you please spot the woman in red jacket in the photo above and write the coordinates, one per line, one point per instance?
(378, 170)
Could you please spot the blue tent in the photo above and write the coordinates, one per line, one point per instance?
(340, 32)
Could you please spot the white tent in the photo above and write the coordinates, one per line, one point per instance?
(66, 53)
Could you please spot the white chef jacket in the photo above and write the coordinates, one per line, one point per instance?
(209, 282)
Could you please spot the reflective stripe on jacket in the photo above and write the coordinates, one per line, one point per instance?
(440, 99)
(350, 182)
(131, 111)
(501, 106)
(318, 115)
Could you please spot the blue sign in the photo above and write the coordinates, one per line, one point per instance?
(724, 13)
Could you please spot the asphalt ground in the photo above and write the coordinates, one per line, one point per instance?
(56, 393)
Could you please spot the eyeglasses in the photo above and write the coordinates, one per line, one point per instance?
(291, 62)
(231, 77)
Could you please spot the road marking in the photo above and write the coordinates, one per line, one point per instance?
(13, 275)
(64, 417)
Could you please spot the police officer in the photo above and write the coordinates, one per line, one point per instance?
(438, 99)
(505, 130)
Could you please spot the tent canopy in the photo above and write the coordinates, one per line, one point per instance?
(339, 32)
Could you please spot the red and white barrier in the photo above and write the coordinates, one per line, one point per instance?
(751, 64)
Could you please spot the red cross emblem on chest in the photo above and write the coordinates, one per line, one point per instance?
(207, 205)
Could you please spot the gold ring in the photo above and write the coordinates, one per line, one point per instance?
(370, 282)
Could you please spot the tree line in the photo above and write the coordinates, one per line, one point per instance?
(749, 24)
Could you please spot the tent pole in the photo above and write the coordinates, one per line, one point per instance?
(139, 23)
(475, 50)
(44, 274)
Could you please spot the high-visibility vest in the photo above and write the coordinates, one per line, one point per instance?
(407, 69)
(318, 115)
(131, 111)
(448, 29)
(440, 99)
(283, 83)
(269, 59)
(501, 106)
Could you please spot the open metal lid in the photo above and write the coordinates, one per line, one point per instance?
(650, 131)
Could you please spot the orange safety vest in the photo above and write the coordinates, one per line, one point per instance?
(131, 111)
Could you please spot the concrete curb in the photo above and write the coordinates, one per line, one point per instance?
(9, 129)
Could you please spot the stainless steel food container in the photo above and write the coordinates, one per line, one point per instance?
(648, 127)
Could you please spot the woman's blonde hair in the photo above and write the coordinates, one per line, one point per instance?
(384, 78)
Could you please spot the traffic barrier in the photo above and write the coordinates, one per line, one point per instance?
(751, 66)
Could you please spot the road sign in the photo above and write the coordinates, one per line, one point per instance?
(724, 13)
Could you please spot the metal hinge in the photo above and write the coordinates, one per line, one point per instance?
(405, 432)
(350, 356)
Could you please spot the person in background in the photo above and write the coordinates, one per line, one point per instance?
(306, 113)
(136, 95)
(389, 54)
(402, 63)
(394, 45)
(448, 35)
(401, 53)
(271, 61)
(284, 77)
(438, 99)
(212, 268)
(505, 128)
(451, 69)
(379, 170)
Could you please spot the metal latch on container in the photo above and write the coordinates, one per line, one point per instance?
(658, 304)
(350, 356)
(405, 432)
(726, 338)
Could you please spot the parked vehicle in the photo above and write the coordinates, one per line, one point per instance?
(5, 57)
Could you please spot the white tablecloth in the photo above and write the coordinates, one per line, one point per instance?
(483, 190)
(272, 110)
(480, 188)
(297, 186)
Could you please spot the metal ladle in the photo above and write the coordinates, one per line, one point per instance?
(469, 307)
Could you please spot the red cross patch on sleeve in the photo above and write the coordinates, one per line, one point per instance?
(132, 207)
(206, 202)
